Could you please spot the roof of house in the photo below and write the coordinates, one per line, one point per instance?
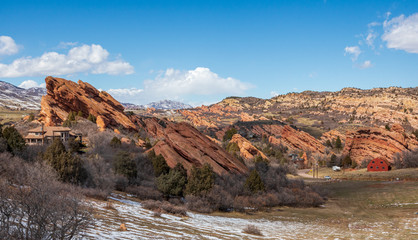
(52, 128)
(47, 131)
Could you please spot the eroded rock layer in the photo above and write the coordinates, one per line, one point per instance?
(182, 143)
(368, 143)
(246, 149)
(64, 96)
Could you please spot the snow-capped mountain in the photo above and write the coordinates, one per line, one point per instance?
(164, 105)
(168, 104)
(13, 97)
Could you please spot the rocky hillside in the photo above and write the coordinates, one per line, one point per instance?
(182, 143)
(13, 97)
(322, 111)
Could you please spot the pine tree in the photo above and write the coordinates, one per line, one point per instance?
(338, 144)
(174, 182)
(159, 164)
(115, 142)
(125, 166)
(201, 180)
(254, 182)
(15, 141)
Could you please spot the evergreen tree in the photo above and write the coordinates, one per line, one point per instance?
(232, 147)
(174, 182)
(201, 180)
(125, 165)
(229, 133)
(254, 182)
(338, 144)
(69, 168)
(15, 141)
(347, 162)
(80, 114)
(159, 164)
(115, 142)
(333, 160)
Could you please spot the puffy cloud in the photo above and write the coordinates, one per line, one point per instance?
(176, 85)
(8, 46)
(30, 84)
(366, 64)
(354, 51)
(83, 59)
(200, 81)
(402, 33)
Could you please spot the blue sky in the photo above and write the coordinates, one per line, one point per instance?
(202, 51)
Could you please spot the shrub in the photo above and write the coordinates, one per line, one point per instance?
(31, 117)
(251, 229)
(254, 183)
(164, 207)
(37, 206)
(387, 127)
(406, 159)
(15, 141)
(91, 118)
(143, 192)
(159, 164)
(69, 168)
(115, 142)
(174, 182)
(232, 147)
(228, 134)
(125, 166)
(201, 180)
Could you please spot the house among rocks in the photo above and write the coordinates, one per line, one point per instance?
(378, 165)
(43, 135)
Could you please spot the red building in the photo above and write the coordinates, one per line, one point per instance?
(378, 165)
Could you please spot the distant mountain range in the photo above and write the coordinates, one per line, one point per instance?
(164, 105)
(13, 97)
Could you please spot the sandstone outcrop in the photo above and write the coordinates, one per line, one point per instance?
(279, 133)
(182, 143)
(64, 96)
(368, 143)
(246, 149)
(332, 136)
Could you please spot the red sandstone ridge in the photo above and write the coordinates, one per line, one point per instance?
(278, 133)
(182, 143)
(247, 150)
(368, 143)
(64, 96)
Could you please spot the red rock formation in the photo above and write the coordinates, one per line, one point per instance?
(64, 96)
(332, 136)
(368, 143)
(182, 143)
(247, 150)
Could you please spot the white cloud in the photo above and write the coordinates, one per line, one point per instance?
(370, 39)
(402, 33)
(176, 85)
(274, 94)
(8, 46)
(354, 51)
(366, 64)
(65, 45)
(83, 59)
(30, 84)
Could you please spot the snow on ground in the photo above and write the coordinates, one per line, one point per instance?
(141, 224)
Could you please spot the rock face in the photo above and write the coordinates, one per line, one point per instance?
(278, 133)
(332, 136)
(246, 149)
(182, 143)
(64, 96)
(368, 143)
